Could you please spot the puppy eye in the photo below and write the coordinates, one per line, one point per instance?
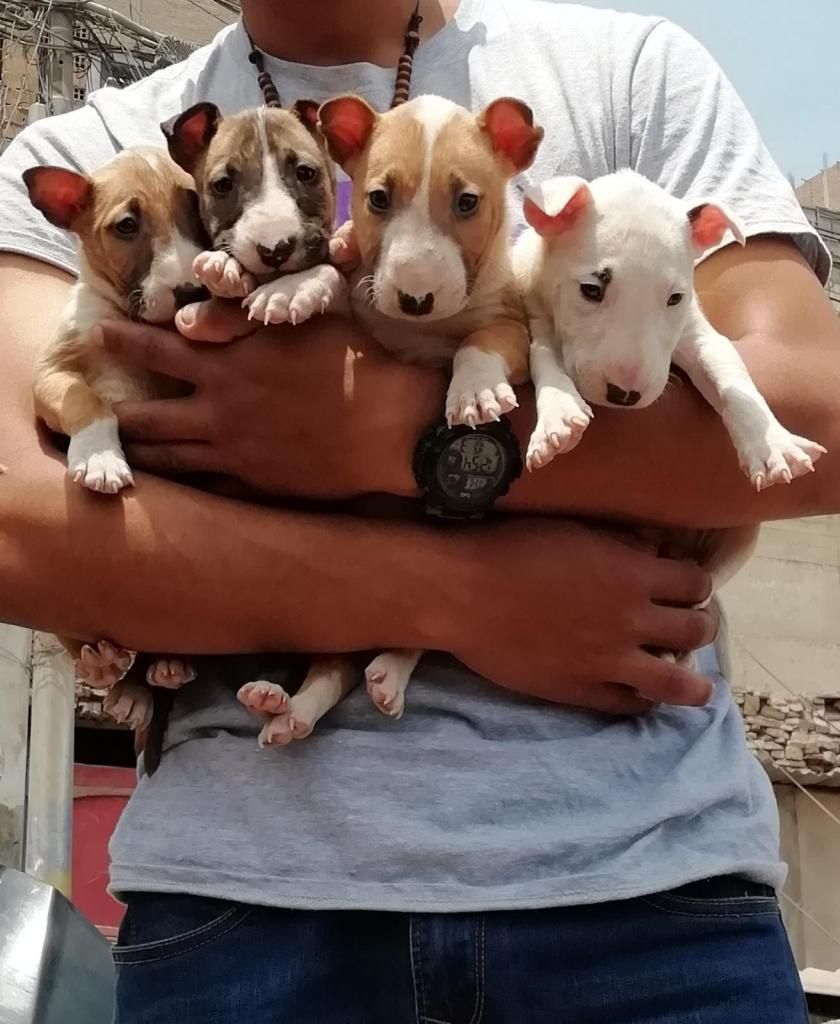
(221, 186)
(306, 174)
(379, 200)
(127, 227)
(466, 203)
(675, 299)
(592, 292)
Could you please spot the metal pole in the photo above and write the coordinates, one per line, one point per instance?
(15, 665)
(61, 60)
(49, 812)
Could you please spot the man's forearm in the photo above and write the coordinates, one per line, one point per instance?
(167, 568)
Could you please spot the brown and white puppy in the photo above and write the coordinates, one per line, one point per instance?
(139, 231)
(436, 286)
(266, 187)
(138, 225)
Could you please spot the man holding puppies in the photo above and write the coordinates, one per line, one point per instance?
(588, 840)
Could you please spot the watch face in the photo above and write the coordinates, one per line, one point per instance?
(470, 469)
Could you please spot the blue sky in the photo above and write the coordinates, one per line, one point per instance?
(783, 56)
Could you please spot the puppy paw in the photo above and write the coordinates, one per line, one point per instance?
(130, 703)
(296, 297)
(263, 698)
(223, 275)
(295, 723)
(170, 673)
(560, 425)
(106, 472)
(387, 678)
(779, 458)
(103, 665)
(471, 403)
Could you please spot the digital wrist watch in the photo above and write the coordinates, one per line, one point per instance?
(462, 470)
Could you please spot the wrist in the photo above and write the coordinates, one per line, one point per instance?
(404, 401)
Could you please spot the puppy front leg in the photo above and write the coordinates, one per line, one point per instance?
(67, 403)
(294, 298)
(223, 275)
(767, 452)
(562, 415)
(485, 366)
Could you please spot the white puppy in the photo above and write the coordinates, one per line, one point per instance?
(607, 273)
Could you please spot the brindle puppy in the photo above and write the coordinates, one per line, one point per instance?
(267, 192)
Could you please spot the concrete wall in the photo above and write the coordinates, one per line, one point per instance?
(784, 611)
(811, 849)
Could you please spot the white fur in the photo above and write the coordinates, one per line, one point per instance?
(95, 457)
(479, 391)
(294, 298)
(416, 257)
(274, 217)
(172, 266)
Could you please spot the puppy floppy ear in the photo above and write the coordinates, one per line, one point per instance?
(61, 195)
(189, 134)
(709, 222)
(306, 111)
(558, 205)
(509, 124)
(347, 123)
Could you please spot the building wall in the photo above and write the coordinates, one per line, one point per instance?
(193, 21)
(821, 190)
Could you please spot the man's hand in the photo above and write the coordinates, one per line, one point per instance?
(316, 410)
(565, 612)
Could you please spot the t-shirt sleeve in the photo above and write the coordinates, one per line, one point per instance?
(692, 134)
(77, 140)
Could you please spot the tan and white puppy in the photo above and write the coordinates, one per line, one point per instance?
(138, 225)
(429, 211)
(607, 273)
(435, 285)
(267, 191)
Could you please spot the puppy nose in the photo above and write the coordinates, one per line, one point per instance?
(618, 396)
(276, 256)
(187, 293)
(416, 306)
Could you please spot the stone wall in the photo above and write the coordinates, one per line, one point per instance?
(796, 737)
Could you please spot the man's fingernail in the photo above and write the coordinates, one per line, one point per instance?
(188, 315)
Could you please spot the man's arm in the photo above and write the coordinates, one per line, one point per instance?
(359, 413)
(163, 567)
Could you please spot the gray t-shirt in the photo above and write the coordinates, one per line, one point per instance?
(478, 798)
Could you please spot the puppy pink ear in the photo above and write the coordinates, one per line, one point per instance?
(557, 205)
(510, 125)
(347, 123)
(709, 223)
(189, 134)
(59, 194)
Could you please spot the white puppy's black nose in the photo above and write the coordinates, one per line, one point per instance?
(413, 305)
(618, 396)
(277, 255)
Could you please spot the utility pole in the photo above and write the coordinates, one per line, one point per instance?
(60, 28)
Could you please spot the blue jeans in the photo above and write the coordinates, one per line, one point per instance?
(710, 953)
